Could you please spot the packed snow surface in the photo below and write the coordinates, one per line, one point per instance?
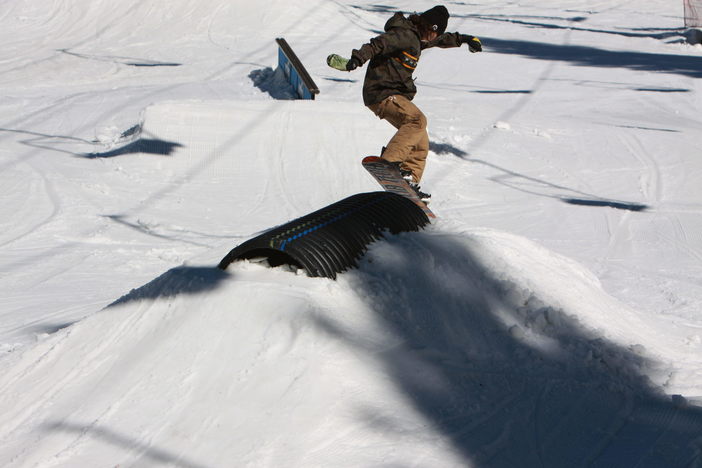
(550, 317)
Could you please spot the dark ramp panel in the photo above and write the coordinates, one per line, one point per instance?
(330, 240)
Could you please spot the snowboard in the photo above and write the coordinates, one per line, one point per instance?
(389, 178)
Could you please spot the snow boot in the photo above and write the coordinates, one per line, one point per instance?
(404, 173)
(407, 175)
(425, 197)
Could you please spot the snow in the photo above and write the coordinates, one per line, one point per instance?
(548, 318)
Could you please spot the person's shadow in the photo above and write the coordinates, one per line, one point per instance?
(509, 379)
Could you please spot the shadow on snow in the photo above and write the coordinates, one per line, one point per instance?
(539, 187)
(507, 379)
(142, 145)
(131, 141)
(504, 377)
(179, 280)
(273, 82)
(569, 23)
(529, 184)
(120, 60)
(155, 455)
(606, 204)
(685, 65)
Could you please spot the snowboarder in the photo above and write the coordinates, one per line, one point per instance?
(388, 88)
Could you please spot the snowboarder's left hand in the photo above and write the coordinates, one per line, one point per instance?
(474, 44)
(352, 64)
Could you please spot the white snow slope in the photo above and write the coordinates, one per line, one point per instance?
(549, 318)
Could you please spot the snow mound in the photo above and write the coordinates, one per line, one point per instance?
(462, 330)
(549, 319)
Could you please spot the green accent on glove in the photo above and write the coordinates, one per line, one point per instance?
(337, 62)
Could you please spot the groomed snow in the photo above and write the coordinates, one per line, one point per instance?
(550, 317)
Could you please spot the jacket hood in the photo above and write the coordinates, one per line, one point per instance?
(398, 20)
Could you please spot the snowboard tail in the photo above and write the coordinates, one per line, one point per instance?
(389, 178)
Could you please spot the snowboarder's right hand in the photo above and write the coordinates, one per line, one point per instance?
(474, 44)
(352, 64)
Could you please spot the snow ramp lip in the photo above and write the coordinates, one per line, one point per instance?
(330, 240)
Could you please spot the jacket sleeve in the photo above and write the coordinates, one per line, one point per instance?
(385, 44)
(444, 41)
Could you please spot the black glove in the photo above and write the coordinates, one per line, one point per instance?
(473, 42)
(353, 64)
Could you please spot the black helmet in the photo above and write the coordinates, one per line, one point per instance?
(436, 18)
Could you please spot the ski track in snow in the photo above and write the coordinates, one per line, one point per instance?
(548, 318)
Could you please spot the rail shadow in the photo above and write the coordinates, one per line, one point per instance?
(179, 280)
(273, 82)
(48, 328)
(142, 145)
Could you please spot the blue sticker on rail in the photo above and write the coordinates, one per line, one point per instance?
(322, 225)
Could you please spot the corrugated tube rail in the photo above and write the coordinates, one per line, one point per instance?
(331, 240)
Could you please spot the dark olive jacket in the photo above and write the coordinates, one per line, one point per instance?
(393, 57)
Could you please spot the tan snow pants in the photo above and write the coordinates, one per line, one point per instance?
(410, 145)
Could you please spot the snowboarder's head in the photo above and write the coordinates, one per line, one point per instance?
(436, 19)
